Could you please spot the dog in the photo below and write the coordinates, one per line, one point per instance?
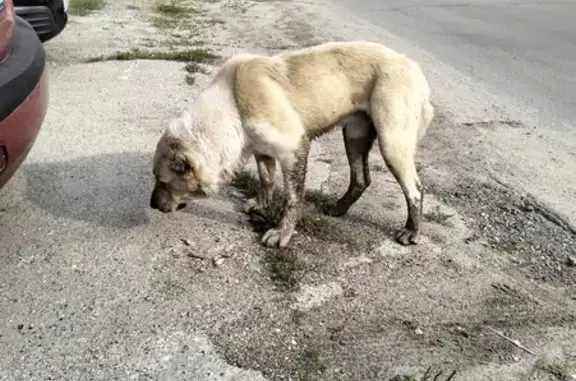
(272, 107)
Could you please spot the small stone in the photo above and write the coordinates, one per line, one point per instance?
(195, 256)
(187, 242)
(419, 332)
(462, 331)
(20, 327)
(516, 358)
(218, 261)
(571, 261)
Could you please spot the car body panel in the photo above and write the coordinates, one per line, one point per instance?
(19, 131)
(23, 98)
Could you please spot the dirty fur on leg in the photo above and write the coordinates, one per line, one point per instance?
(294, 174)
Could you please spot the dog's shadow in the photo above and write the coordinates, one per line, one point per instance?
(110, 190)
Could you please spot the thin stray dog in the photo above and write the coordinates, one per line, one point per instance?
(272, 107)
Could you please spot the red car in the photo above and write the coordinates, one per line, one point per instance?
(23, 89)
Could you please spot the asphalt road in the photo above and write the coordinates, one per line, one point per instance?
(524, 51)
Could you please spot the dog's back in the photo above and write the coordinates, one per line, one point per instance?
(325, 83)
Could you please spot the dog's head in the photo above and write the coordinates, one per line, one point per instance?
(181, 173)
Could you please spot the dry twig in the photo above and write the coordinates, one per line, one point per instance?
(515, 342)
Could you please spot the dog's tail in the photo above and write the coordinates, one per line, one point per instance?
(428, 113)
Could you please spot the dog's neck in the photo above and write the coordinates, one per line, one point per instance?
(214, 131)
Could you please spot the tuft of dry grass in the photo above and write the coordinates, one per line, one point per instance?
(85, 7)
(316, 361)
(175, 14)
(190, 55)
(310, 223)
(319, 199)
(429, 375)
(285, 267)
(283, 263)
(556, 370)
(172, 9)
(438, 217)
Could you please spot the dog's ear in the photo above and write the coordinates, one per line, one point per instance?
(181, 165)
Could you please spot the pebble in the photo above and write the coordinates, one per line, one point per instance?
(462, 331)
(571, 261)
(419, 331)
(218, 261)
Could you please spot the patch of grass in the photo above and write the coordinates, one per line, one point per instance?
(172, 9)
(172, 15)
(316, 361)
(319, 226)
(438, 217)
(190, 55)
(319, 199)
(85, 7)
(556, 370)
(283, 263)
(247, 183)
(190, 80)
(285, 267)
(194, 67)
(310, 223)
(429, 375)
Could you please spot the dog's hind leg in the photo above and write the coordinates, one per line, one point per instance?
(266, 171)
(294, 166)
(359, 135)
(397, 122)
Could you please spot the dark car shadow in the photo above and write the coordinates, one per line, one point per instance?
(110, 190)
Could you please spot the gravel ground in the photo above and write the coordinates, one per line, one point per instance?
(95, 286)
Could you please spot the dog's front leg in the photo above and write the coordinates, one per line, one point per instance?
(266, 171)
(294, 173)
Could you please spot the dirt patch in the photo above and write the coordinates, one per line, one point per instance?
(509, 223)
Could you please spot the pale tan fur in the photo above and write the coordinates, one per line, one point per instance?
(272, 107)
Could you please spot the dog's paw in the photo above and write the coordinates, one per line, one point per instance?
(251, 205)
(407, 237)
(275, 238)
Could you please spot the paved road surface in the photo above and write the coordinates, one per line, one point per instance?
(523, 50)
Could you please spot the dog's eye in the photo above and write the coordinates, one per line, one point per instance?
(181, 167)
(182, 170)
